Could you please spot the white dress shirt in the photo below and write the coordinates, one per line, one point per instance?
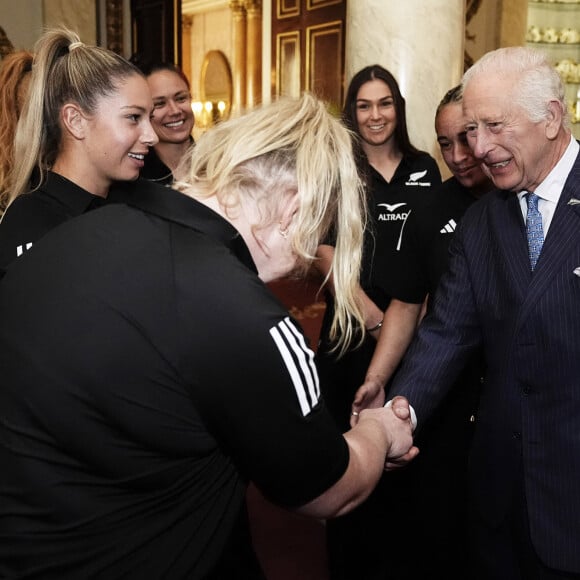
(550, 189)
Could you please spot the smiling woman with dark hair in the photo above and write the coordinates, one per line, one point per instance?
(172, 119)
(399, 177)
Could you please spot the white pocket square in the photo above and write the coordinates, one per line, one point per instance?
(574, 201)
(576, 271)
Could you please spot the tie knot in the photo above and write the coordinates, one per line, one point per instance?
(532, 200)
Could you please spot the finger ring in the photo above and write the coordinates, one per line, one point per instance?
(354, 414)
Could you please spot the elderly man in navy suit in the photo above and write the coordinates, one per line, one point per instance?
(513, 287)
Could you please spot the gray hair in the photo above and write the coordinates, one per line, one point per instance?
(538, 82)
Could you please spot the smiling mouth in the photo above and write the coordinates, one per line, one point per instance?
(138, 156)
(174, 124)
(498, 165)
(377, 127)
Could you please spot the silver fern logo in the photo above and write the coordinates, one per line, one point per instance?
(414, 179)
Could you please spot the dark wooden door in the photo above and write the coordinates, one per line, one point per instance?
(156, 30)
(308, 48)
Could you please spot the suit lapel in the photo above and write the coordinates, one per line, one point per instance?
(563, 236)
(513, 242)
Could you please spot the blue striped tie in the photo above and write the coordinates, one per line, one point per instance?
(534, 229)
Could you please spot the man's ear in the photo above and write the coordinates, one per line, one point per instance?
(73, 120)
(555, 119)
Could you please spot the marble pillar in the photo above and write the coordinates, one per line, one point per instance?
(421, 43)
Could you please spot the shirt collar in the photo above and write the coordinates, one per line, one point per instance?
(171, 205)
(551, 188)
(75, 198)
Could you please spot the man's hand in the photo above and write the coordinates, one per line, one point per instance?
(370, 395)
(400, 452)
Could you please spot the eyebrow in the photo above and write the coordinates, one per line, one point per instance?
(138, 107)
(177, 94)
(371, 100)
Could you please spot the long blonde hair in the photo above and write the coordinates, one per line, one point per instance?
(65, 70)
(291, 145)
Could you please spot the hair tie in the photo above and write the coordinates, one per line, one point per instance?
(74, 45)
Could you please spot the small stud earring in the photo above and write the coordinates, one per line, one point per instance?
(283, 233)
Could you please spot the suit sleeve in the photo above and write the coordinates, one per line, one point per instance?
(446, 338)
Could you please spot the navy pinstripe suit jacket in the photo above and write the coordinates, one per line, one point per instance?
(529, 326)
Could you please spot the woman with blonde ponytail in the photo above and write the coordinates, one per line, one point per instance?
(84, 125)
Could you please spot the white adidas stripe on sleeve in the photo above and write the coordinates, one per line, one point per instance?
(299, 360)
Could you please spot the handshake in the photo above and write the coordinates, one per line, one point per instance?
(397, 422)
(401, 450)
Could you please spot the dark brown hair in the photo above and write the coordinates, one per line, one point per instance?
(363, 76)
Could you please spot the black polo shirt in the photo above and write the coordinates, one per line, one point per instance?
(33, 214)
(429, 230)
(155, 170)
(390, 204)
(147, 373)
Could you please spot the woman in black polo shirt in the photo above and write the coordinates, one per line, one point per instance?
(149, 373)
(85, 125)
(399, 178)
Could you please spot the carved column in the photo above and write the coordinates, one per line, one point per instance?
(186, 24)
(254, 52)
(239, 55)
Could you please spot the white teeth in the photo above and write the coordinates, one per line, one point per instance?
(376, 127)
(174, 124)
(500, 164)
(138, 156)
